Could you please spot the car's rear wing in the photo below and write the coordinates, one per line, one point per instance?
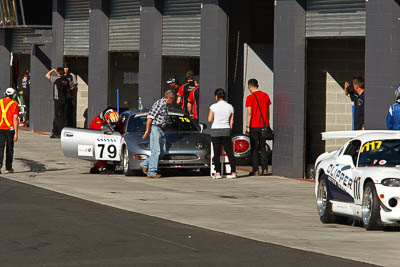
(352, 134)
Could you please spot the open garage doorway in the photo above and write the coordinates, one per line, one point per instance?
(177, 67)
(251, 35)
(330, 62)
(79, 66)
(124, 68)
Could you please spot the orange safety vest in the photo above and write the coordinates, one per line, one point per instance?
(4, 118)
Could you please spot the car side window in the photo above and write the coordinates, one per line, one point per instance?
(353, 150)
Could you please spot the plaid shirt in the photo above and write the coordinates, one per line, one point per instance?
(159, 113)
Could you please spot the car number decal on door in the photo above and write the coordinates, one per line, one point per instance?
(108, 148)
(357, 185)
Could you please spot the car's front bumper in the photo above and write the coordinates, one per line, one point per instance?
(388, 195)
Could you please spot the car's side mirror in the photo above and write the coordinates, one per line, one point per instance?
(345, 160)
(203, 126)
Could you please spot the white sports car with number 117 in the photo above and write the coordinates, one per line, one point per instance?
(361, 179)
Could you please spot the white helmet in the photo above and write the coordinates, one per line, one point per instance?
(10, 92)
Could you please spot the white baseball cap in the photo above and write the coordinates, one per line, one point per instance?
(10, 92)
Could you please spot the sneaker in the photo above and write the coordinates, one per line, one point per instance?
(9, 171)
(253, 173)
(53, 136)
(216, 176)
(233, 175)
(155, 176)
(144, 169)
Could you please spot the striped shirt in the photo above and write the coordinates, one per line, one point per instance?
(159, 113)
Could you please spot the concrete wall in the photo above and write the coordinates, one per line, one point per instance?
(330, 62)
(82, 104)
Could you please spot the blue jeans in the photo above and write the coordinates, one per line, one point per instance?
(157, 146)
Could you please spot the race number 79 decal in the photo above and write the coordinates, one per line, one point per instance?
(108, 148)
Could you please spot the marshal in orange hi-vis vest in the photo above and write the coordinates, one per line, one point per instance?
(9, 108)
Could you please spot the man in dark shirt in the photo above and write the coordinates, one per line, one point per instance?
(173, 84)
(358, 98)
(60, 85)
(193, 105)
(184, 91)
(71, 96)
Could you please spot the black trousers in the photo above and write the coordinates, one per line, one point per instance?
(226, 141)
(258, 145)
(7, 141)
(59, 117)
(70, 113)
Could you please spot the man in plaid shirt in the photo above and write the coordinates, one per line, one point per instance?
(156, 121)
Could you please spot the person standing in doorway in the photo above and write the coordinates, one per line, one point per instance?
(60, 85)
(71, 97)
(221, 115)
(358, 98)
(26, 87)
(257, 104)
(156, 123)
(184, 91)
(8, 128)
(173, 84)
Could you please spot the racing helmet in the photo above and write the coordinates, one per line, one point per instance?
(397, 93)
(112, 117)
(10, 92)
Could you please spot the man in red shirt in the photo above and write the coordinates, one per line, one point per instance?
(8, 128)
(255, 124)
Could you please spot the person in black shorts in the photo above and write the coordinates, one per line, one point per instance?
(357, 96)
(184, 91)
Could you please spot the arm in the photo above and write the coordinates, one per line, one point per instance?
(16, 122)
(346, 86)
(210, 116)
(178, 99)
(189, 108)
(148, 126)
(248, 119)
(231, 121)
(48, 74)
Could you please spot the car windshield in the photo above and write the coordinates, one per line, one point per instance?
(175, 123)
(380, 153)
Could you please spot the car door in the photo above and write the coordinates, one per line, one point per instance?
(91, 144)
(341, 175)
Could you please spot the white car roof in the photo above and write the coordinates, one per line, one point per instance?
(363, 136)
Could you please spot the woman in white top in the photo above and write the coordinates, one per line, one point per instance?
(221, 116)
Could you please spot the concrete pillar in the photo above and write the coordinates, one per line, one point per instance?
(41, 104)
(382, 65)
(98, 57)
(289, 88)
(213, 52)
(58, 34)
(5, 54)
(150, 54)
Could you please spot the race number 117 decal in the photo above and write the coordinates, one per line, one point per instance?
(371, 146)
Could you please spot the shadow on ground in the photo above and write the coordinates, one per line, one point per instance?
(36, 166)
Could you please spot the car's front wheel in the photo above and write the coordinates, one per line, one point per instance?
(125, 162)
(370, 208)
(324, 206)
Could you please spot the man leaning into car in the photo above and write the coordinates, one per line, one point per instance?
(156, 122)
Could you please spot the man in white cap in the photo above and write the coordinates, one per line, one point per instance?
(8, 128)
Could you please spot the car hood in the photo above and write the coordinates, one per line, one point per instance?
(175, 140)
(379, 173)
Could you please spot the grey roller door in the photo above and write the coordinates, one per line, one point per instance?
(17, 40)
(335, 18)
(124, 25)
(76, 28)
(181, 27)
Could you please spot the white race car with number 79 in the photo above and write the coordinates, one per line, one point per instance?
(360, 180)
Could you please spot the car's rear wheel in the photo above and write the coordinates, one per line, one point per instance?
(324, 206)
(125, 162)
(241, 145)
(370, 208)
